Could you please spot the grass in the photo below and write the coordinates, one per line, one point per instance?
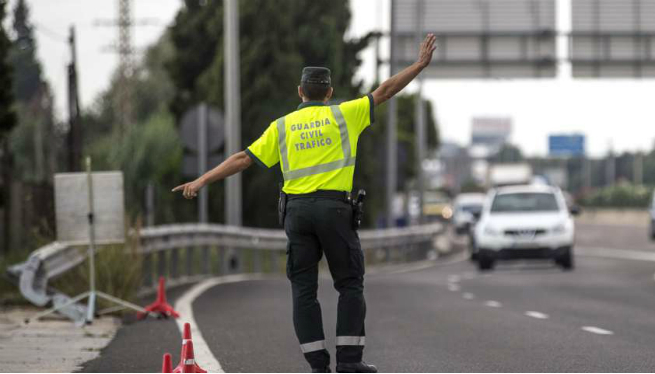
(118, 273)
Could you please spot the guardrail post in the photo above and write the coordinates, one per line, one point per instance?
(275, 268)
(161, 264)
(189, 260)
(147, 270)
(257, 260)
(205, 260)
(174, 263)
(225, 261)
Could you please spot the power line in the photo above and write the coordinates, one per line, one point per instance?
(50, 33)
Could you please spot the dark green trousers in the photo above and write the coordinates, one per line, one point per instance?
(316, 226)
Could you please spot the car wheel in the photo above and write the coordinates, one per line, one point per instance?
(485, 263)
(565, 260)
(473, 257)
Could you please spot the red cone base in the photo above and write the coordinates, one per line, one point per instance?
(160, 305)
(186, 338)
(188, 361)
(167, 365)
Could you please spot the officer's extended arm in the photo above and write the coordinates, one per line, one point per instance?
(236, 163)
(395, 84)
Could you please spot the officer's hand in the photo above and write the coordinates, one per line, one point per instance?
(425, 52)
(189, 190)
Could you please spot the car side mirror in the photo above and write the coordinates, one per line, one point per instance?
(575, 210)
(476, 215)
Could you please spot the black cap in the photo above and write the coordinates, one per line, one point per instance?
(316, 75)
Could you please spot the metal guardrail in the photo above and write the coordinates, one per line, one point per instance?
(184, 253)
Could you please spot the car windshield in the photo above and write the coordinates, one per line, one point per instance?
(471, 208)
(435, 199)
(524, 202)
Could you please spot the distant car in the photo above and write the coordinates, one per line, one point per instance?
(652, 218)
(466, 210)
(524, 222)
(436, 206)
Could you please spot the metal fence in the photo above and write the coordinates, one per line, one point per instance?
(185, 253)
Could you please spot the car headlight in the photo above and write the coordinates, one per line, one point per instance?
(559, 229)
(488, 230)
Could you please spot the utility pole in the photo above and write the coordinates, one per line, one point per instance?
(125, 23)
(126, 67)
(392, 124)
(232, 108)
(419, 116)
(75, 127)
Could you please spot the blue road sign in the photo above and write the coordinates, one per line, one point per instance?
(566, 145)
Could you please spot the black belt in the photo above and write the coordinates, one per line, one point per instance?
(338, 195)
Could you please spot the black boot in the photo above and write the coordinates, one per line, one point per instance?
(321, 370)
(358, 367)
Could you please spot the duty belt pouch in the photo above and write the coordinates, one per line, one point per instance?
(358, 209)
(281, 207)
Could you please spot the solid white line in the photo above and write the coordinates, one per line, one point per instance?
(184, 306)
(493, 304)
(597, 330)
(623, 254)
(468, 296)
(537, 315)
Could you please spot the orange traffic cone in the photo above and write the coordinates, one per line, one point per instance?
(160, 305)
(167, 365)
(189, 361)
(186, 338)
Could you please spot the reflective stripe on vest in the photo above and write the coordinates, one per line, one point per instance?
(346, 161)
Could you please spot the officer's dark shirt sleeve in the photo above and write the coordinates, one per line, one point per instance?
(358, 113)
(265, 150)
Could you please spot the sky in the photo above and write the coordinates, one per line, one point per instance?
(616, 114)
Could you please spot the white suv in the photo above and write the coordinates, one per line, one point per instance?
(530, 221)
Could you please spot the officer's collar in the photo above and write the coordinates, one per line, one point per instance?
(310, 103)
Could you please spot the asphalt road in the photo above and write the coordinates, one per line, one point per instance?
(524, 316)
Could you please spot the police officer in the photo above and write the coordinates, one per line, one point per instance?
(316, 147)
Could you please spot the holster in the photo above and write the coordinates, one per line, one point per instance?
(281, 207)
(358, 209)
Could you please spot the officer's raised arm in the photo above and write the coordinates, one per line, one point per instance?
(234, 164)
(395, 84)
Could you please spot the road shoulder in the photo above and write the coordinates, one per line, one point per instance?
(50, 345)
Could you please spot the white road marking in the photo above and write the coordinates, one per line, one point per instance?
(597, 330)
(493, 304)
(453, 278)
(623, 254)
(184, 304)
(469, 275)
(537, 315)
(453, 287)
(468, 296)
(428, 264)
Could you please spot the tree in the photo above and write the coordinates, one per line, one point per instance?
(7, 114)
(7, 119)
(508, 153)
(273, 50)
(27, 70)
(150, 150)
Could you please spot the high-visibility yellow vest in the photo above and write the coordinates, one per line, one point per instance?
(316, 145)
